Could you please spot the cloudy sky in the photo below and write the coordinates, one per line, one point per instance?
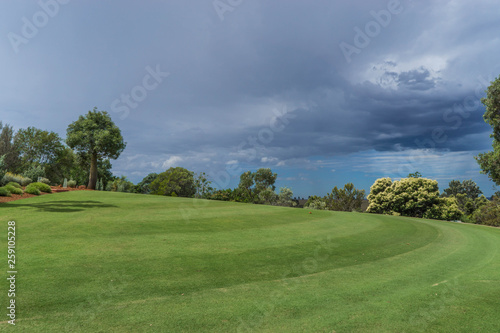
(322, 92)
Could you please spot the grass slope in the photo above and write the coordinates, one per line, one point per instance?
(116, 262)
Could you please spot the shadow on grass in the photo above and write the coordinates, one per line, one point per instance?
(63, 206)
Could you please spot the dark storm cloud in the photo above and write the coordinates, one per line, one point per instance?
(228, 77)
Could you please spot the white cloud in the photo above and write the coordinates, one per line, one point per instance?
(172, 161)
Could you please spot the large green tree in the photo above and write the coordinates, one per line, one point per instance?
(345, 199)
(176, 181)
(490, 161)
(37, 147)
(408, 196)
(8, 149)
(467, 187)
(96, 136)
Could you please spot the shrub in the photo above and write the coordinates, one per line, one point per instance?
(31, 189)
(175, 180)
(35, 172)
(4, 192)
(488, 214)
(16, 185)
(26, 181)
(12, 189)
(315, 202)
(120, 185)
(10, 177)
(408, 196)
(72, 183)
(347, 199)
(45, 181)
(42, 187)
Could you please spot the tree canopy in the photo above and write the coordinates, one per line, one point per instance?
(490, 161)
(95, 136)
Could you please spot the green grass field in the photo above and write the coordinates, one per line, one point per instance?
(116, 262)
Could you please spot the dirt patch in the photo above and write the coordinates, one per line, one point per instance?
(55, 189)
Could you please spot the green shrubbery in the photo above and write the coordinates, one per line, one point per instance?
(414, 197)
(488, 214)
(4, 192)
(31, 189)
(120, 185)
(41, 187)
(14, 184)
(12, 189)
(44, 180)
(11, 177)
(71, 183)
(34, 172)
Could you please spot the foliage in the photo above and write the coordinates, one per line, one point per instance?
(488, 214)
(72, 183)
(99, 185)
(447, 209)
(264, 178)
(285, 197)
(37, 149)
(252, 183)
(2, 164)
(408, 196)
(4, 192)
(96, 137)
(11, 177)
(32, 189)
(42, 187)
(267, 197)
(223, 195)
(467, 187)
(315, 202)
(380, 196)
(416, 174)
(489, 161)
(16, 185)
(144, 186)
(245, 186)
(13, 189)
(8, 149)
(347, 199)
(203, 186)
(34, 172)
(81, 173)
(120, 185)
(44, 180)
(174, 180)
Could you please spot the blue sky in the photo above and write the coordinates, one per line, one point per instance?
(322, 92)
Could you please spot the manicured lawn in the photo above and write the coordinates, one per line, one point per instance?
(116, 262)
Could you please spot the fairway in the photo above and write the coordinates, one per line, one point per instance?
(119, 262)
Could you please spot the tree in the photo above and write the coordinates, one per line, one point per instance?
(8, 149)
(285, 197)
(407, 197)
(245, 185)
(467, 187)
(315, 202)
(347, 199)
(490, 161)
(95, 136)
(416, 174)
(37, 147)
(144, 186)
(203, 186)
(178, 182)
(264, 178)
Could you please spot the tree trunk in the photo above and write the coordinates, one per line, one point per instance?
(93, 172)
